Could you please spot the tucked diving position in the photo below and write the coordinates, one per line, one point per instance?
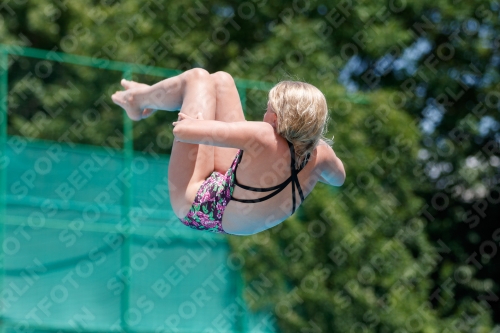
(229, 175)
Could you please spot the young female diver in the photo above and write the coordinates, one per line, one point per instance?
(229, 175)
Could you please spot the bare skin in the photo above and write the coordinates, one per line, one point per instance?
(211, 113)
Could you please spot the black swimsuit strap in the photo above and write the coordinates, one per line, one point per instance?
(282, 186)
(278, 188)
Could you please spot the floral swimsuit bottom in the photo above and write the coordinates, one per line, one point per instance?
(211, 200)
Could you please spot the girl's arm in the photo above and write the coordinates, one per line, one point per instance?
(332, 168)
(241, 134)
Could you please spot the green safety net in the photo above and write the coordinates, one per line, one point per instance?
(65, 238)
(89, 239)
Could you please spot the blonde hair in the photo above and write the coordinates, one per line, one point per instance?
(302, 116)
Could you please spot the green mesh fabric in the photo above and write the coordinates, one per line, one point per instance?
(91, 244)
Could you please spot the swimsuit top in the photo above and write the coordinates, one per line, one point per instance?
(278, 188)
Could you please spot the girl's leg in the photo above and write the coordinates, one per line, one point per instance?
(168, 94)
(190, 164)
(228, 109)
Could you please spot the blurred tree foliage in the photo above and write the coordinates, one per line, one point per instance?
(409, 243)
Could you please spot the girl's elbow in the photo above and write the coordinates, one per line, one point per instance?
(333, 177)
(339, 174)
(341, 179)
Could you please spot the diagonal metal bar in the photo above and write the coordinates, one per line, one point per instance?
(112, 65)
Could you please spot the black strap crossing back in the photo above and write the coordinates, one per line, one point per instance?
(278, 188)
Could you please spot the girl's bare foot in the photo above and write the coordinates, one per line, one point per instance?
(126, 100)
(132, 84)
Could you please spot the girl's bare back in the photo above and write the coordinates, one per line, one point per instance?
(268, 167)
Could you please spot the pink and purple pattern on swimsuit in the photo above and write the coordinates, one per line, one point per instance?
(211, 201)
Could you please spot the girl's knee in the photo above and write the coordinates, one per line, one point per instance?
(222, 79)
(196, 74)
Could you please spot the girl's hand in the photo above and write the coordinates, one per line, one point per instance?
(182, 116)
